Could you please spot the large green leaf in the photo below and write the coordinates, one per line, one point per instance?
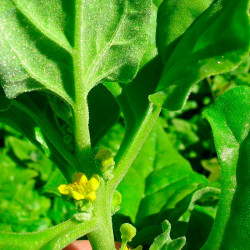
(161, 178)
(229, 118)
(133, 98)
(35, 43)
(195, 47)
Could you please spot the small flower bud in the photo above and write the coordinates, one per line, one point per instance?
(128, 232)
(106, 163)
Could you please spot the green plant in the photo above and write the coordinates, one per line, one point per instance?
(67, 70)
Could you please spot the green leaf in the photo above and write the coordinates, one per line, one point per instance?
(29, 59)
(229, 119)
(133, 98)
(40, 15)
(212, 43)
(36, 51)
(120, 37)
(104, 47)
(172, 26)
(164, 241)
(160, 176)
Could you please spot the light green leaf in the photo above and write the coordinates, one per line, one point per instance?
(216, 42)
(229, 119)
(113, 38)
(36, 53)
(49, 17)
(29, 60)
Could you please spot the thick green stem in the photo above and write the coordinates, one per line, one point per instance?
(132, 146)
(81, 111)
(103, 237)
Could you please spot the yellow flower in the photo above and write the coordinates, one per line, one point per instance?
(81, 188)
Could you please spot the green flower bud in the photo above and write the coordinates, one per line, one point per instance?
(106, 163)
(128, 232)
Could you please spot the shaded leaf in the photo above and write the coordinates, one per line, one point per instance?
(199, 227)
(103, 110)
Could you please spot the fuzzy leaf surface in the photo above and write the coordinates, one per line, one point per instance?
(37, 43)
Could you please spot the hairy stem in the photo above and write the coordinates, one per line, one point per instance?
(103, 237)
(81, 111)
(131, 147)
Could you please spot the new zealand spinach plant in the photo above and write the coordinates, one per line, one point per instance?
(68, 69)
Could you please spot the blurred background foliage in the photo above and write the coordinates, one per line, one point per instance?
(29, 200)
